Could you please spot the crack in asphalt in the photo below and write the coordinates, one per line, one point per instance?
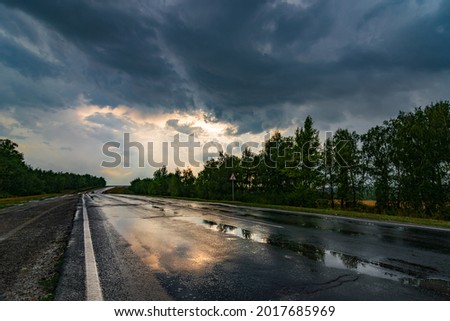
(152, 217)
(346, 278)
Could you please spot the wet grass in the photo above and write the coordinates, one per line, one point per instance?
(118, 190)
(49, 284)
(11, 201)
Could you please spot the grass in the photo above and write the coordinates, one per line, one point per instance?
(49, 286)
(351, 214)
(322, 211)
(50, 283)
(11, 201)
(16, 200)
(118, 190)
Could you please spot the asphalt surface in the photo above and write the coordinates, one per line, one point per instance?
(165, 249)
(33, 239)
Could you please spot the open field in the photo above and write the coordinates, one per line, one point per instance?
(370, 203)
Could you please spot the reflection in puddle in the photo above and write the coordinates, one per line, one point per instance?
(233, 230)
(176, 255)
(435, 285)
(407, 273)
(362, 266)
(307, 250)
(158, 247)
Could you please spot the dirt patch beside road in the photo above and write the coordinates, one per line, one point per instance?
(33, 239)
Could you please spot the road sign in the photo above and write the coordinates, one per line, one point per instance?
(232, 179)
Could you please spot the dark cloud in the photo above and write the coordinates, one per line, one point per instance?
(24, 62)
(108, 120)
(257, 64)
(183, 128)
(121, 60)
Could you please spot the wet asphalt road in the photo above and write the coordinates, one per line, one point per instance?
(163, 249)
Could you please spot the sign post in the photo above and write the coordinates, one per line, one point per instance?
(232, 179)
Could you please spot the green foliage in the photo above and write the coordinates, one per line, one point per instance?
(408, 159)
(347, 167)
(180, 183)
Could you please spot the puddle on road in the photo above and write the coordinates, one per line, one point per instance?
(303, 221)
(232, 230)
(140, 205)
(160, 248)
(393, 269)
(435, 285)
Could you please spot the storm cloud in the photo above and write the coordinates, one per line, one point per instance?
(256, 64)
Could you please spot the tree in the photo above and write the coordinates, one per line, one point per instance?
(307, 143)
(420, 143)
(160, 183)
(275, 182)
(347, 166)
(212, 181)
(377, 153)
(305, 172)
(408, 160)
(175, 187)
(13, 170)
(188, 181)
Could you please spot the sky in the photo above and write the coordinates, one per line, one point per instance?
(77, 74)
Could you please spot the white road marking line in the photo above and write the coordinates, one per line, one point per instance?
(93, 289)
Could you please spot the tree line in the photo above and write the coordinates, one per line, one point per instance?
(19, 179)
(403, 164)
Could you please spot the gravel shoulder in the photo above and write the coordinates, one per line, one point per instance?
(33, 238)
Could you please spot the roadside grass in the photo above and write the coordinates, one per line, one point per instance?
(322, 211)
(350, 214)
(49, 287)
(50, 283)
(16, 200)
(118, 190)
(11, 201)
